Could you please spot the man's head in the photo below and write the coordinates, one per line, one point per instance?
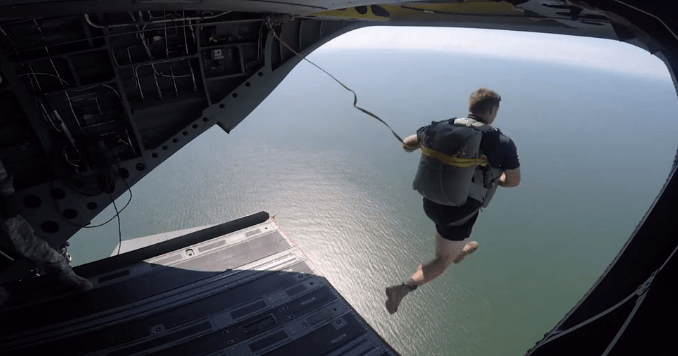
(484, 104)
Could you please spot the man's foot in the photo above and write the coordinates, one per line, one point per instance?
(470, 248)
(69, 278)
(395, 295)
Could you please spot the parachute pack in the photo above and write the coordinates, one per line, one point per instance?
(450, 167)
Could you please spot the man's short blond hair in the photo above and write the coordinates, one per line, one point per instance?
(482, 101)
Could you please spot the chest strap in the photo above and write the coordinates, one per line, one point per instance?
(454, 161)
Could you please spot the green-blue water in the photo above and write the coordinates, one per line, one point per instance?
(595, 149)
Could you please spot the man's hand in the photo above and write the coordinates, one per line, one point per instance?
(510, 178)
(411, 143)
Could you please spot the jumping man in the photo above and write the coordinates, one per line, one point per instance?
(463, 161)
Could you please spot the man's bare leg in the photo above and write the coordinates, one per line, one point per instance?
(447, 253)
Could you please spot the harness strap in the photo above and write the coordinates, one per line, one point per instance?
(477, 190)
(454, 161)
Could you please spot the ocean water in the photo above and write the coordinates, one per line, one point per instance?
(595, 149)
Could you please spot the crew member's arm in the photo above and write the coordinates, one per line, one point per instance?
(9, 205)
(510, 178)
(411, 143)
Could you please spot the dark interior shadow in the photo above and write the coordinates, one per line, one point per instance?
(196, 306)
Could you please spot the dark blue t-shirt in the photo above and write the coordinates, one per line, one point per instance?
(500, 150)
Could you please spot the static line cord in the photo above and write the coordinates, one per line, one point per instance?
(355, 96)
(117, 214)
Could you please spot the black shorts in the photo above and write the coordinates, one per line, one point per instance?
(453, 222)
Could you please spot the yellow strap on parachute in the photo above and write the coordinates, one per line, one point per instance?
(454, 161)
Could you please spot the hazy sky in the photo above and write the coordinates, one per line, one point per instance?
(574, 50)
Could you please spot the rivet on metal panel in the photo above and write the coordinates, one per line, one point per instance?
(340, 323)
(49, 226)
(70, 213)
(189, 252)
(32, 201)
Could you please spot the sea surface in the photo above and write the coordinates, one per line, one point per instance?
(595, 149)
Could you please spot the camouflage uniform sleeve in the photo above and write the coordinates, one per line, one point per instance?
(6, 182)
(27, 244)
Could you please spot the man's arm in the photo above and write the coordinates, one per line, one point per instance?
(510, 178)
(411, 143)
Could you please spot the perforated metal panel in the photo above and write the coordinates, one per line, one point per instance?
(247, 292)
